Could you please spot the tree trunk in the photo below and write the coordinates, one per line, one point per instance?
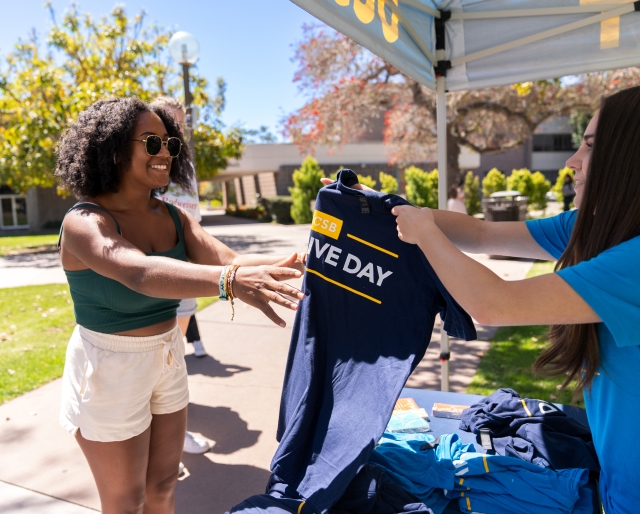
(453, 154)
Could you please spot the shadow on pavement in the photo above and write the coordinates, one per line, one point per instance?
(222, 425)
(216, 218)
(213, 488)
(32, 260)
(210, 367)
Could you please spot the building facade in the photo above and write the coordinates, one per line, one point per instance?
(547, 151)
(39, 209)
(267, 169)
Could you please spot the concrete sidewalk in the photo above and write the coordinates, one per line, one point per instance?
(18, 499)
(235, 395)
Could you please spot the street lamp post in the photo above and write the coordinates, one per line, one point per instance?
(184, 49)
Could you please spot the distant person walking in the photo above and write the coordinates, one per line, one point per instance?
(568, 192)
(129, 259)
(455, 203)
(188, 200)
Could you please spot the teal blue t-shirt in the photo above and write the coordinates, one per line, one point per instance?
(610, 284)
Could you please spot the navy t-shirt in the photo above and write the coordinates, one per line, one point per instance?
(610, 284)
(364, 324)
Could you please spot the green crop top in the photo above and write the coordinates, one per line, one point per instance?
(105, 305)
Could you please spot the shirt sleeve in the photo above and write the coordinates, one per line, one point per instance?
(610, 283)
(553, 234)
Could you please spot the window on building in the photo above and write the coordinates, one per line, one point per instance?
(13, 209)
(552, 143)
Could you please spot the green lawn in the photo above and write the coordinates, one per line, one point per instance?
(508, 361)
(205, 302)
(15, 243)
(35, 325)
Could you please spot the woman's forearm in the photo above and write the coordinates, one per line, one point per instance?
(462, 230)
(493, 301)
(476, 288)
(161, 277)
(508, 238)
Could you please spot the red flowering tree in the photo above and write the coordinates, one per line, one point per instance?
(348, 88)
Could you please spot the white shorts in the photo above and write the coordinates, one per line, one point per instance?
(187, 308)
(113, 384)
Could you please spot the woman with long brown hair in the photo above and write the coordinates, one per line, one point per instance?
(592, 301)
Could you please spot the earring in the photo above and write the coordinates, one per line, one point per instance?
(114, 159)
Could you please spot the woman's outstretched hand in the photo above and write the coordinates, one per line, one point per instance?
(297, 261)
(327, 181)
(412, 222)
(259, 285)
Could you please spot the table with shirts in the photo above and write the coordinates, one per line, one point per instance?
(439, 426)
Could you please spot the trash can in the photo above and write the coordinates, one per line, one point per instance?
(505, 206)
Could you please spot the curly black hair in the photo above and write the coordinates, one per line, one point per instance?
(101, 137)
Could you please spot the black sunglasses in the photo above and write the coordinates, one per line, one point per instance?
(153, 145)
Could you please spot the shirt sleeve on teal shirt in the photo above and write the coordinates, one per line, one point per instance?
(553, 234)
(610, 284)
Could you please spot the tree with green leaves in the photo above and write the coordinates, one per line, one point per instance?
(541, 186)
(388, 183)
(472, 193)
(493, 182)
(306, 184)
(42, 91)
(578, 121)
(532, 185)
(422, 187)
(520, 180)
(366, 180)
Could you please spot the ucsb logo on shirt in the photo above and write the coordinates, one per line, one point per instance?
(366, 12)
(326, 224)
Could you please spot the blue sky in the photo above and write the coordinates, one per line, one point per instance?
(247, 42)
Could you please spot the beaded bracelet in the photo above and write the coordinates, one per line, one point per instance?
(223, 283)
(231, 275)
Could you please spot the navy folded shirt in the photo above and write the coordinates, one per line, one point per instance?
(532, 430)
(370, 492)
(365, 323)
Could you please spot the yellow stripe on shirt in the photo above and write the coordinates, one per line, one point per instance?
(486, 464)
(526, 408)
(309, 270)
(372, 245)
(300, 507)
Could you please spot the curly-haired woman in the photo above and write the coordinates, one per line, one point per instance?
(129, 259)
(593, 299)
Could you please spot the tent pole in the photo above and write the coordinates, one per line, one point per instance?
(441, 127)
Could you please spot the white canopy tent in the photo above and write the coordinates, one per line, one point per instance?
(455, 45)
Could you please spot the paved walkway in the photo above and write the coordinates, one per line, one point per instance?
(235, 394)
(19, 499)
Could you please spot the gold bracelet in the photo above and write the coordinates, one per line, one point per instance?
(230, 276)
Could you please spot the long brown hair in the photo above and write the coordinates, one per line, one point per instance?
(609, 214)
